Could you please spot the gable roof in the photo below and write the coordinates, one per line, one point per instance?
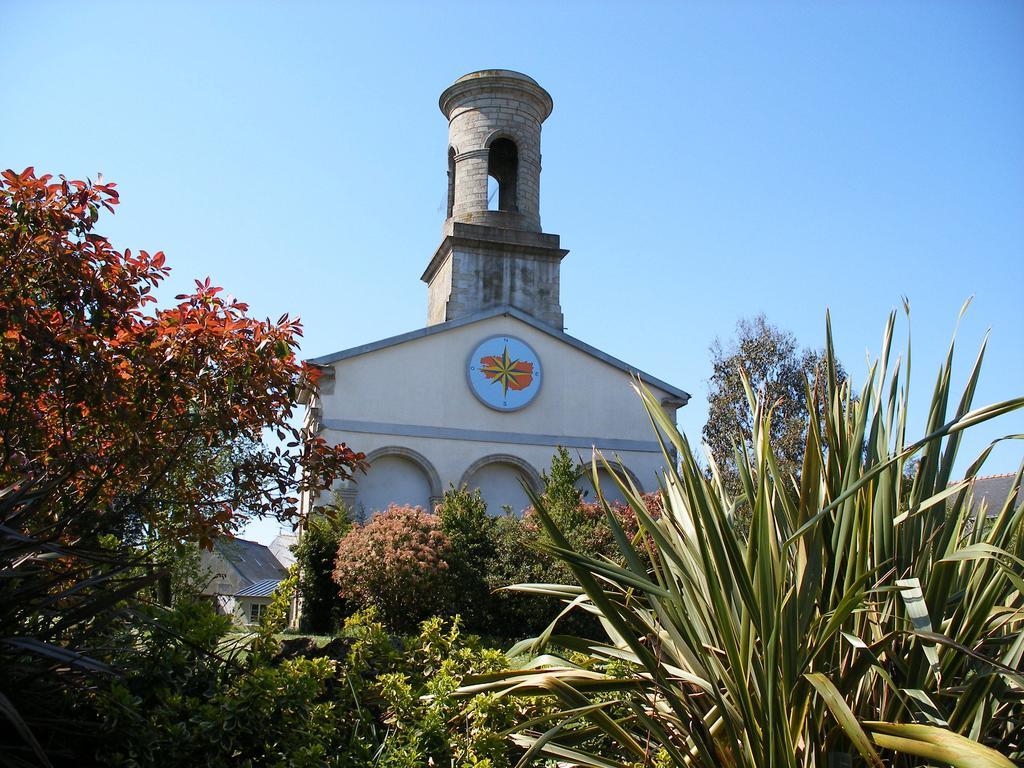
(253, 561)
(506, 311)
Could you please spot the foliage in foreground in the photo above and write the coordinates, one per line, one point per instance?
(851, 621)
(63, 619)
(366, 698)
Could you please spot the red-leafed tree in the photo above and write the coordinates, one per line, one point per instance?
(158, 411)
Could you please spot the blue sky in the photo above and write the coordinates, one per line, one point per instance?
(704, 162)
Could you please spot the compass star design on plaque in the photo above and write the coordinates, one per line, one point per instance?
(504, 373)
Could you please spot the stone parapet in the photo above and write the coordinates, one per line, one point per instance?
(478, 267)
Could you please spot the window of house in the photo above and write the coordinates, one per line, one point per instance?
(256, 611)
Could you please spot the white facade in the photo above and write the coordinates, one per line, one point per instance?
(407, 403)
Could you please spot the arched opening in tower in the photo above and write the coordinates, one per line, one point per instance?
(451, 181)
(503, 167)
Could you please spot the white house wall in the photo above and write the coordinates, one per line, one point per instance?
(423, 382)
(415, 396)
(220, 577)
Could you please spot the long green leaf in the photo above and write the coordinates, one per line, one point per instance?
(934, 743)
(845, 717)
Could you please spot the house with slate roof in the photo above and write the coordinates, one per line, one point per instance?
(243, 576)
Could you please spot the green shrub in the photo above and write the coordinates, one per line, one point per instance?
(322, 607)
(515, 559)
(522, 555)
(396, 563)
(488, 554)
(367, 698)
(470, 532)
(561, 495)
(426, 724)
(184, 703)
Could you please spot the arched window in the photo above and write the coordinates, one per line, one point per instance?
(397, 476)
(499, 478)
(451, 181)
(609, 487)
(503, 167)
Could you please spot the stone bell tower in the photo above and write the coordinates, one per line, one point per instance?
(493, 252)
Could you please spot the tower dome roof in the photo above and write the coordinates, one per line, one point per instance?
(495, 80)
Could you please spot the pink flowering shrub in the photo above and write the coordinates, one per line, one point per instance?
(588, 529)
(396, 563)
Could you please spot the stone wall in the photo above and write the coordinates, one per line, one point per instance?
(481, 108)
(477, 268)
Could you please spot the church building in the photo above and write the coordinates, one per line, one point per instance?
(486, 392)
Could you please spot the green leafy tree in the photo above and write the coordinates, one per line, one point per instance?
(522, 554)
(778, 372)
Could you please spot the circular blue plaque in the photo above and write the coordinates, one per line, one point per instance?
(504, 373)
